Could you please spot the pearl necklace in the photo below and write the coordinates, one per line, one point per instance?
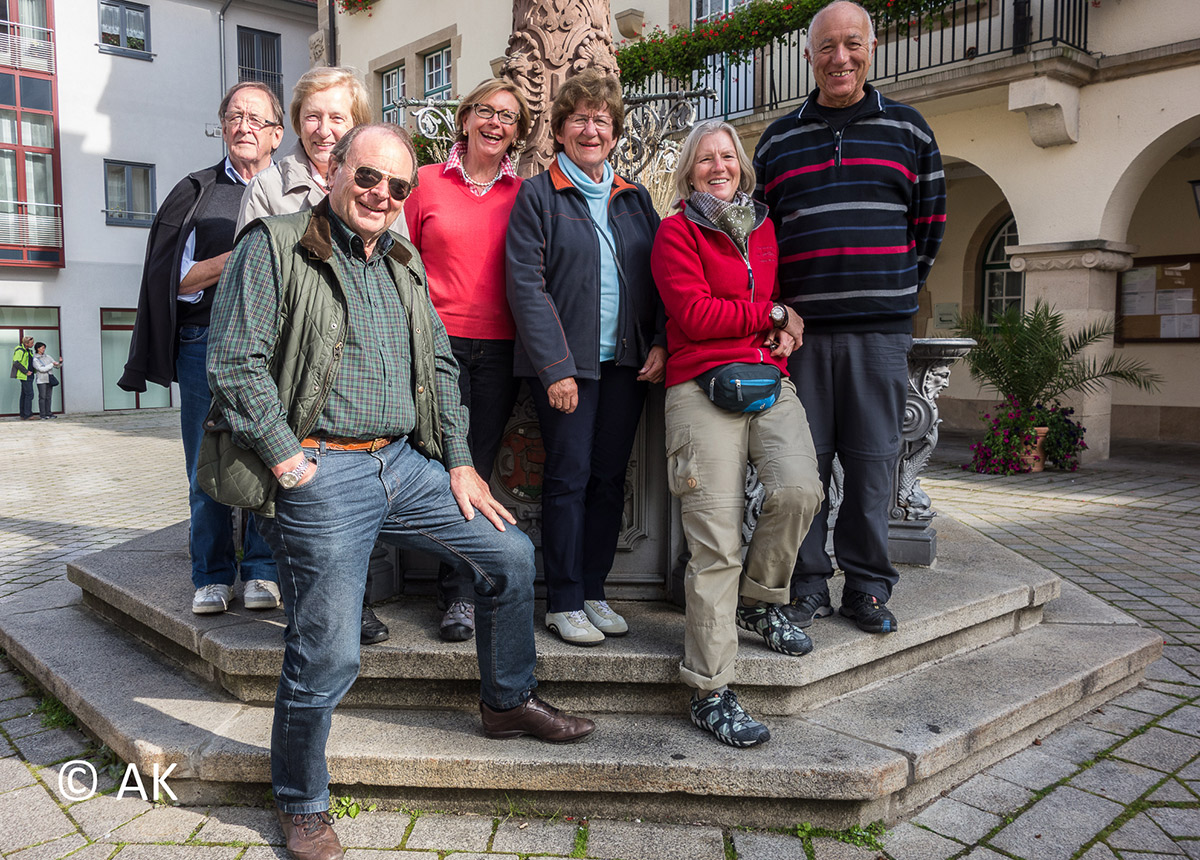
(480, 188)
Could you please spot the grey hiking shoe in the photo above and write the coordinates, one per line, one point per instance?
(780, 634)
(720, 714)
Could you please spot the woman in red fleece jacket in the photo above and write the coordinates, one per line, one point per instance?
(715, 263)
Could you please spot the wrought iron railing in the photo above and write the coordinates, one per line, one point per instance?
(963, 32)
(23, 46)
(26, 224)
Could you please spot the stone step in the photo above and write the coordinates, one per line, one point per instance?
(977, 593)
(876, 753)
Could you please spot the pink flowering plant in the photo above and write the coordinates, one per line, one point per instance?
(1010, 433)
(351, 7)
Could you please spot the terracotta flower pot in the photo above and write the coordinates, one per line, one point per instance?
(1035, 455)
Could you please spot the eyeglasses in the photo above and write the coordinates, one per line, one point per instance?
(580, 121)
(367, 178)
(507, 117)
(256, 123)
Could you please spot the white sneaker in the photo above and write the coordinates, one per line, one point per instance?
(212, 599)
(604, 619)
(260, 594)
(574, 628)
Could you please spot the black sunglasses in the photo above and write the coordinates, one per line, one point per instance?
(368, 177)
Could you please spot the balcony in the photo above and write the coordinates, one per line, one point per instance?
(961, 34)
(31, 234)
(23, 46)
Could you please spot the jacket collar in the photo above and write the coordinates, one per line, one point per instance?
(295, 170)
(562, 182)
(807, 111)
(318, 238)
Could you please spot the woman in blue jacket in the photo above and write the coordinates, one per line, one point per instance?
(589, 338)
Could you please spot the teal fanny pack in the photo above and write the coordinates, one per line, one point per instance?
(741, 386)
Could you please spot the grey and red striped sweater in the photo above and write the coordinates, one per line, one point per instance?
(859, 213)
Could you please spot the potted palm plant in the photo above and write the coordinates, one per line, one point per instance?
(1032, 361)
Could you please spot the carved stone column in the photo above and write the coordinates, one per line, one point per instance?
(552, 40)
(1079, 280)
(911, 539)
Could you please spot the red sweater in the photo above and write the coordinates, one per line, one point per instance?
(461, 240)
(714, 314)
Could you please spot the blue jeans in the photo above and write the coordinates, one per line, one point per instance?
(583, 483)
(854, 388)
(322, 534)
(26, 402)
(489, 391)
(211, 539)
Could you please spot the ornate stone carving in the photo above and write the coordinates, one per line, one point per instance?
(928, 375)
(552, 40)
(316, 48)
(1105, 261)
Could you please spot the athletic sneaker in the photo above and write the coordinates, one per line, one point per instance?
(868, 612)
(720, 714)
(260, 594)
(211, 599)
(780, 634)
(604, 619)
(574, 627)
(806, 608)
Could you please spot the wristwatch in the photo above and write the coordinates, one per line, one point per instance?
(779, 316)
(291, 478)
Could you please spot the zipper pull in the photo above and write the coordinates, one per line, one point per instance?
(738, 383)
(837, 149)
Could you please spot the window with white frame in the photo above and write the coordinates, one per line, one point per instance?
(1003, 288)
(125, 28)
(394, 89)
(733, 82)
(128, 193)
(437, 74)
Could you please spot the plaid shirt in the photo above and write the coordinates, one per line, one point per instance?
(372, 393)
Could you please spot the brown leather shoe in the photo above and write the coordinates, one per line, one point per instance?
(310, 836)
(536, 718)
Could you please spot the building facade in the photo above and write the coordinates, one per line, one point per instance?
(1070, 131)
(104, 106)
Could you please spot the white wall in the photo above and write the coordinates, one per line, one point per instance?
(129, 109)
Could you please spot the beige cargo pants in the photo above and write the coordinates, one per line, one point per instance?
(707, 451)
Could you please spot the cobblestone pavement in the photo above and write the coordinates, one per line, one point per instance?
(1120, 783)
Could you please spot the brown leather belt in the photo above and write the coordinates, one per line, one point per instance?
(337, 443)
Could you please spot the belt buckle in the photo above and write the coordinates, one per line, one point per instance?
(377, 444)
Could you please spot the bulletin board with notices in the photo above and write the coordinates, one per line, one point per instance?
(1159, 300)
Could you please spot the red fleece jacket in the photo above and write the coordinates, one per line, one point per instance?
(716, 313)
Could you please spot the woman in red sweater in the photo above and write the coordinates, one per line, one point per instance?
(714, 263)
(457, 217)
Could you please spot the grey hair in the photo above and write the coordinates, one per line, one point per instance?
(687, 157)
(813, 23)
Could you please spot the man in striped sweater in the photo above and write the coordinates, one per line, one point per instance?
(855, 186)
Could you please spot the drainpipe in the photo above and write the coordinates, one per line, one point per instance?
(221, 42)
(331, 54)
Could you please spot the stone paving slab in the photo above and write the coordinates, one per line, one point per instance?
(53, 850)
(1141, 833)
(29, 816)
(1058, 825)
(462, 832)
(634, 841)
(909, 842)
(1117, 780)
(767, 846)
(1159, 749)
(957, 820)
(160, 824)
(992, 794)
(241, 824)
(540, 836)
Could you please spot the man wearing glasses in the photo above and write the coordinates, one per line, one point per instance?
(190, 239)
(330, 365)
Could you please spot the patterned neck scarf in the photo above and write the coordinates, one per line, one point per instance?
(734, 218)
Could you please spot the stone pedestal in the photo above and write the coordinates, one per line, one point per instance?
(911, 537)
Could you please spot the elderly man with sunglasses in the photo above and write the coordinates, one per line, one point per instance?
(329, 363)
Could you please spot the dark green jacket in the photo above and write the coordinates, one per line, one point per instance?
(307, 354)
